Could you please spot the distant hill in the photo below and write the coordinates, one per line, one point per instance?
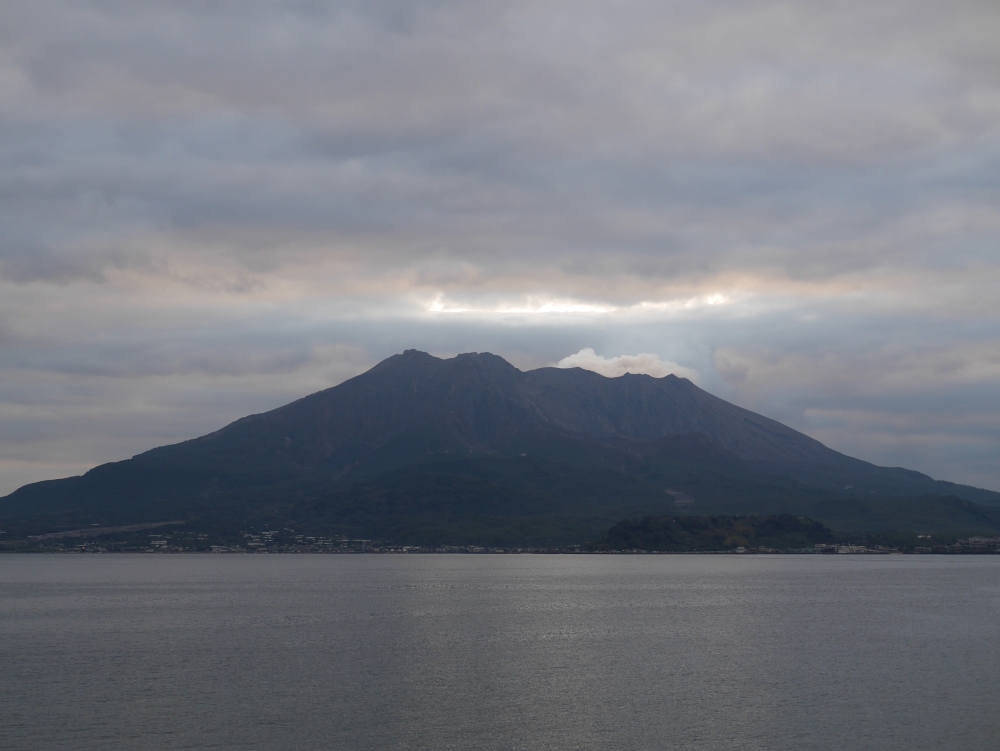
(472, 449)
(714, 533)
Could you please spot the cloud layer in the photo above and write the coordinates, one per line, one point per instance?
(208, 209)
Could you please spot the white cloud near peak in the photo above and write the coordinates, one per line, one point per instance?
(644, 363)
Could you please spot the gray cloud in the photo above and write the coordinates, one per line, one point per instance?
(220, 206)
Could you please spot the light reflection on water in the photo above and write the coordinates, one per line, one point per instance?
(499, 652)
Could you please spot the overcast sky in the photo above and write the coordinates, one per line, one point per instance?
(208, 209)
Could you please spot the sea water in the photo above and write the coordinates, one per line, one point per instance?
(277, 652)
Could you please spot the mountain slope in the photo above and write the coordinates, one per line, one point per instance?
(464, 419)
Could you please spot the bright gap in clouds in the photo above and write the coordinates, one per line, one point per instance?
(551, 306)
(440, 305)
(644, 363)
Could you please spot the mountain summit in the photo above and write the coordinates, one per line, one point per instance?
(419, 442)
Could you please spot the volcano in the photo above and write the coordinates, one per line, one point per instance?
(471, 449)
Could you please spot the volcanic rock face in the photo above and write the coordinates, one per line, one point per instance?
(633, 436)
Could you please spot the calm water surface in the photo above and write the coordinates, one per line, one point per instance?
(499, 652)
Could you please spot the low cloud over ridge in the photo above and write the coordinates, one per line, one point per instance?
(644, 363)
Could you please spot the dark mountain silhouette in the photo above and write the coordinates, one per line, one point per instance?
(419, 447)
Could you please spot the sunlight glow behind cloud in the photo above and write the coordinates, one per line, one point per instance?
(549, 306)
(533, 306)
